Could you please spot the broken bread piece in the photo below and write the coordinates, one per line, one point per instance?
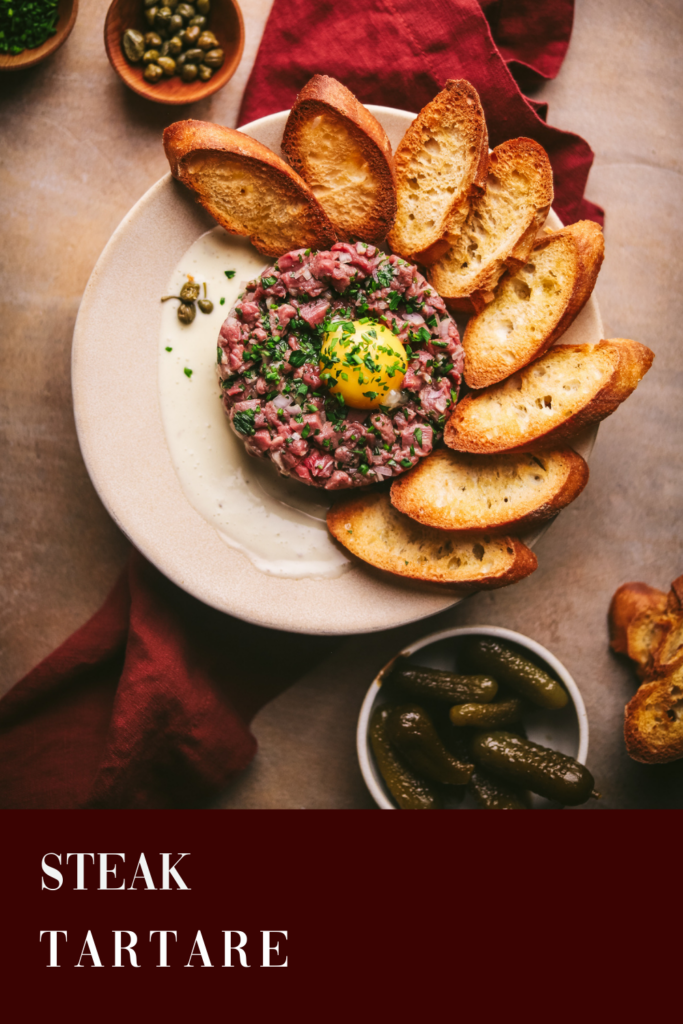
(373, 530)
(653, 719)
(440, 163)
(534, 305)
(344, 155)
(636, 621)
(247, 188)
(500, 229)
(551, 399)
(457, 491)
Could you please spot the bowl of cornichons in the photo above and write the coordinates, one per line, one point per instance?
(477, 717)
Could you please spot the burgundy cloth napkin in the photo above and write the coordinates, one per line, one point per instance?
(399, 53)
(148, 704)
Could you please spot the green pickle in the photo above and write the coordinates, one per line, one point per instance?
(487, 654)
(410, 792)
(528, 765)
(411, 731)
(493, 795)
(498, 715)
(433, 684)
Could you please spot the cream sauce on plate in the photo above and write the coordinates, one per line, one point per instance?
(277, 522)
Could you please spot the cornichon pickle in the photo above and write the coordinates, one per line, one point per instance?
(531, 766)
(433, 684)
(497, 715)
(487, 654)
(494, 795)
(410, 792)
(412, 732)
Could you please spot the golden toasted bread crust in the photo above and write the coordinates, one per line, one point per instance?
(416, 493)
(630, 604)
(629, 361)
(359, 522)
(653, 720)
(185, 141)
(578, 251)
(325, 95)
(456, 106)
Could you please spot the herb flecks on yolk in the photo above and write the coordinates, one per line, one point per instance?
(362, 361)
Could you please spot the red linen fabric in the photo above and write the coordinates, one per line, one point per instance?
(399, 53)
(148, 704)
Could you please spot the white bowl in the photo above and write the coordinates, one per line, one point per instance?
(565, 730)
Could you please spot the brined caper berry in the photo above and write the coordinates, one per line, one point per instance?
(207, 41)
(150, 15)
(186, 11)
(194, 56)
(186, 312)
(153, 73)
(179, 61)
(133, 43)
(167, 65)
(152, 41)
(214, 58)
(203, 6)
(151, 3)
(189, 72)
(206, 305)
(175, 46)
(163, 19)
(150, 56)
(205, 72)
(190, 291)
(199, 21)
(175, 23)
(192, 34)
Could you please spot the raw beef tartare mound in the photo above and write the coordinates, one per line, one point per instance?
(278, 377)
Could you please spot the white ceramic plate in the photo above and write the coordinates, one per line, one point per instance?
(118, 417)
(565, 730)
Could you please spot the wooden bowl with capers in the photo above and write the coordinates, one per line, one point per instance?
(174, 52)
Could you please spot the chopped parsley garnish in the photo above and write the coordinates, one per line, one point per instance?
(219, 354)
(297, 357)
(222, 301)
(268, 282)
(187, 371)
(372, 395)
(244, 421)
(230, 274)
(306, 431)
(417, 434)
(406, 463)
(168, 348)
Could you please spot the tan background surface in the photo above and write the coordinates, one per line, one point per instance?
(78, 149)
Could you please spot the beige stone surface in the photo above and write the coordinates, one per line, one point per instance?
(78, 149)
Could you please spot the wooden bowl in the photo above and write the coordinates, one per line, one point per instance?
(225, 21)
(68, 9)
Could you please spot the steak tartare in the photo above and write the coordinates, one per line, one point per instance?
(276, 385)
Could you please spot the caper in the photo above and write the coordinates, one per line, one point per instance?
(214, 58)
(206, 305)
(203, 6)
(175, 23)
(152, 40)
(150, 15)
(194, 56)
(164, 51)
(199, 21)
(185, 11)
(189, 292)
(175, 46)
(172, 4)
(133, 44)
(186, 312)
(189, 72)
(167, 65)
(153, 73)
(179, 61)
(151, 3)
(150, 56)
(192, 34)
(207, 41)
(181, 36)
(205, 73)
(163, 18)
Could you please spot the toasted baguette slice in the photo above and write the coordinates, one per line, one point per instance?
(440, 162)
(343, 153)
(247, 188)
(371, 528)
(455, 491)
(653, 719)
(568, 388)
(636, 615)
(535, 305)
(500, 229)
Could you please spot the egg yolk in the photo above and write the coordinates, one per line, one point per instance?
(363, 362)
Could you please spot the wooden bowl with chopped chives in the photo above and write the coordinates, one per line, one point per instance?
(27, 31)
